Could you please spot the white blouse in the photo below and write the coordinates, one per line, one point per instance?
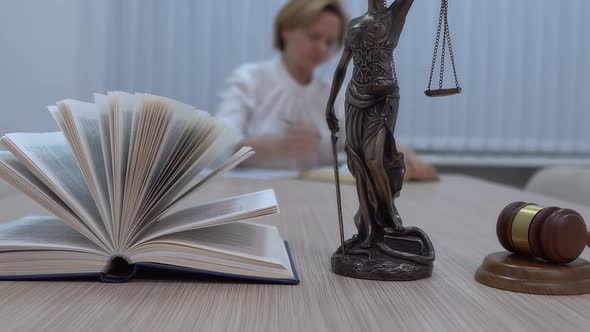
(262, 99)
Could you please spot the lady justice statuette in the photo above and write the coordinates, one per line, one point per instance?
(383, 249)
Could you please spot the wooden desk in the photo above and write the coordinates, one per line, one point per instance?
(450, 300)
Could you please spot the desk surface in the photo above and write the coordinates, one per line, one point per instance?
(450, 300)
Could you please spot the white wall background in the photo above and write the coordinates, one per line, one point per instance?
(40, 60)
(524, 65)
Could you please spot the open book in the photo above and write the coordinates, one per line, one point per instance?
(112, 177)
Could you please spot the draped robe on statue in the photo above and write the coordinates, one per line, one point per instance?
(372, 102)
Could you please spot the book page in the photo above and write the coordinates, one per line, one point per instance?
(82, 130)
(122, 122)
(172, 150)
(49, 157)
(46, 245)
(190, 144)
(199, 144)
(57, 116)
(102, 106)
(44, 233)
(240, 248)
(152, 138)
(243, 207)
(164, 206)
(14, 171)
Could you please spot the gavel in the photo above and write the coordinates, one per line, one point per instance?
(552, 234)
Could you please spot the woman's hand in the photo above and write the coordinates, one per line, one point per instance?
(416, 169)
(302, 147)
(298, 148)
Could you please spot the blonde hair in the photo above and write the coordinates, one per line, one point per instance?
(301, 13)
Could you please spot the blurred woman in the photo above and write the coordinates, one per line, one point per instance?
(277, 106)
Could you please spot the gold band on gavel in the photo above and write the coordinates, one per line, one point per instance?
(520, 227)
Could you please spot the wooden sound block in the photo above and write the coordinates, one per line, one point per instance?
(512, 272)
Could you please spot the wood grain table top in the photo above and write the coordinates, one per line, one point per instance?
(458, 213)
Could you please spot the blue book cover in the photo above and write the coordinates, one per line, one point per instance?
(154, 271)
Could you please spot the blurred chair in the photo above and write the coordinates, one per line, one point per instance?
(570, 184)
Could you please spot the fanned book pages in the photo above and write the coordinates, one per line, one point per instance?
(112, 177)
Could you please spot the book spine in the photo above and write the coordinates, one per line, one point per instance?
(119, 269)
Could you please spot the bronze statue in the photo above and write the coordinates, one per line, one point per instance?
(383, 248)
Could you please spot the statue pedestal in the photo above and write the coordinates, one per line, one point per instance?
(512, 272)
(374, 264)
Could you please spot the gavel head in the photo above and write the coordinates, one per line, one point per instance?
(549, 233)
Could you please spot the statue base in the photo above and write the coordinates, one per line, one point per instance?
(374, 264)
(515, 273)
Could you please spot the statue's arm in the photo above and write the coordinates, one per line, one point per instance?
(337, 81)
(339, 75)
(402, 6)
